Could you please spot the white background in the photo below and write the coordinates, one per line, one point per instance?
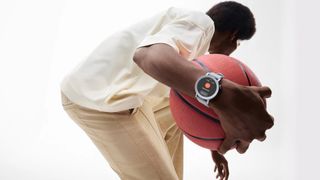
(41, 40)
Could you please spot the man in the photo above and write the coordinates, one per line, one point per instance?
(119, 94)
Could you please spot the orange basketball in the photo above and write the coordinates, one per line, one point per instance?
(199, 123)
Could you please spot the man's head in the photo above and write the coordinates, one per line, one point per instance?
(233, 22)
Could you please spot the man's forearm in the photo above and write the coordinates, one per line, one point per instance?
(164, 64)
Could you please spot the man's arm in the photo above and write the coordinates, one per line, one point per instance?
(241, 109)
(164, 64)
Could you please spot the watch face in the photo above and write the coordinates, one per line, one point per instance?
(206, 87)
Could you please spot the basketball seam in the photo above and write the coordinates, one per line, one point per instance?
(196, 109)
(201, 138)
(245, 73)
(200, 112)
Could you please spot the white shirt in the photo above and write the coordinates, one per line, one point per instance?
(109, 80)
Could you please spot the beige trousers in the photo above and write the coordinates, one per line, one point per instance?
(139, 144)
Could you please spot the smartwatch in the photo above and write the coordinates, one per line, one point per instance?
(207, 87)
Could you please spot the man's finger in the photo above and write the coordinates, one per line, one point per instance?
(220, 171)
(226, 145)
(264, 92)
(271, 121)
(262, 138)
(227, 172)
(242, 146)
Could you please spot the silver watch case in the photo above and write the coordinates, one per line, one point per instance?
(216, 77)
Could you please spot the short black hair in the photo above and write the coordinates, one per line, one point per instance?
(230, 16)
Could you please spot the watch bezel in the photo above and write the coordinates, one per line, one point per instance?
(214, 94)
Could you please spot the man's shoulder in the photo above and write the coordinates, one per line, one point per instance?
(199, 18)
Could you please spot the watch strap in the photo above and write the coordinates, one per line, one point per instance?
(202, 101)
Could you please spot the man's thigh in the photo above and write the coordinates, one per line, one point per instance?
(130, 142)
(172, 135)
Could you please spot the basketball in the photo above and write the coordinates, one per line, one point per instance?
(199, 123)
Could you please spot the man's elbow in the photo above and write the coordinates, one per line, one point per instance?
(140, 55)
(153, 56)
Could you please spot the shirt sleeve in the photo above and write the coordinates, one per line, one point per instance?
(182, 35)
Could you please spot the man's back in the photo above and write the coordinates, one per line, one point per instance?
(109, 80)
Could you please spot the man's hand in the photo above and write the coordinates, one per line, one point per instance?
(242, 113)
(221, 164)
